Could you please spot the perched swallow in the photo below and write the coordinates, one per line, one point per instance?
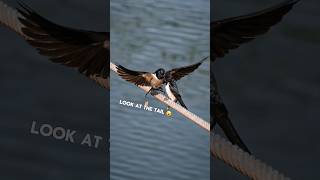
(87, 51)
(229, 34)
(157, 79)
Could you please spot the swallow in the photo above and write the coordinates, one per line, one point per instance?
(157, 79)
(87, 51)
(228, 34)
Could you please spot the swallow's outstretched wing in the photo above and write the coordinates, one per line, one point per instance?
(178, 73)
(230, 33)
(88, 51)
(139, 78)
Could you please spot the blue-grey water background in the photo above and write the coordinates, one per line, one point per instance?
(146, 35)
(34, 89)
(271, 88)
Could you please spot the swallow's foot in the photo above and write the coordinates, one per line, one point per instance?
(146, 103)
(160, 89)
(145, 97)
(154, 92)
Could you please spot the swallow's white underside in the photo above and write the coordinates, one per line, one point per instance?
(169, 92)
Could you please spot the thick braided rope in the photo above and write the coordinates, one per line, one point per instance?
(246, 164)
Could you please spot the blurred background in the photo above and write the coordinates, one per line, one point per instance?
(271, 88)
(147, 35)
(34, 89)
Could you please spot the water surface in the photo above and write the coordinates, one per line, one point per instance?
(146, 35)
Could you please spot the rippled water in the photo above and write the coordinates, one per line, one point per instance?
(146, 35)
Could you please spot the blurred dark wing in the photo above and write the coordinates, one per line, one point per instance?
(136, 77)
(232, 32)
(178, 73)
(87, 51)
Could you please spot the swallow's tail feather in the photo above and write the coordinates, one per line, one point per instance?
(234, 137)
(179, 99)
(231, 133)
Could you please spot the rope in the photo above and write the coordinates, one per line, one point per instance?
(222, 149)
(246, 164)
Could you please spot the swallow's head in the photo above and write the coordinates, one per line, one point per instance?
(160, 73)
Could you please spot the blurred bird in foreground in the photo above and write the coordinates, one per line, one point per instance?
(228, 34)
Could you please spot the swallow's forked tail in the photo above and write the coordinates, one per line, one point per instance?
(221, 117)
(232, 134)
(179, 99)
(219, 114)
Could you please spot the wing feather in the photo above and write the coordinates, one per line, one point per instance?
(87, 51)
(230, 33)
(178, 73)
(139, 78)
